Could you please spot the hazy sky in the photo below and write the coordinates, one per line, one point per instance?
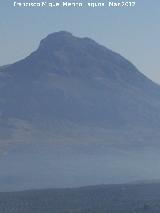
(133, 32)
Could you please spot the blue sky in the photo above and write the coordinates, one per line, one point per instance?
(132, 32)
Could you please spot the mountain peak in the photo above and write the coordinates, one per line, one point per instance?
(59, 34)
(65, 54)
(82, 56)
(55, 38)
(58, 40)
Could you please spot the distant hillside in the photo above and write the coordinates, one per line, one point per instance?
(140, 198)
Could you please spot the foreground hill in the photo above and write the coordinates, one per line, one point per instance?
(134, 198)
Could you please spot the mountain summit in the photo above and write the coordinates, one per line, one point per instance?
(63, 53)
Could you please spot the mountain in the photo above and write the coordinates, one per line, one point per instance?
(76, 113)
(77, 80)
